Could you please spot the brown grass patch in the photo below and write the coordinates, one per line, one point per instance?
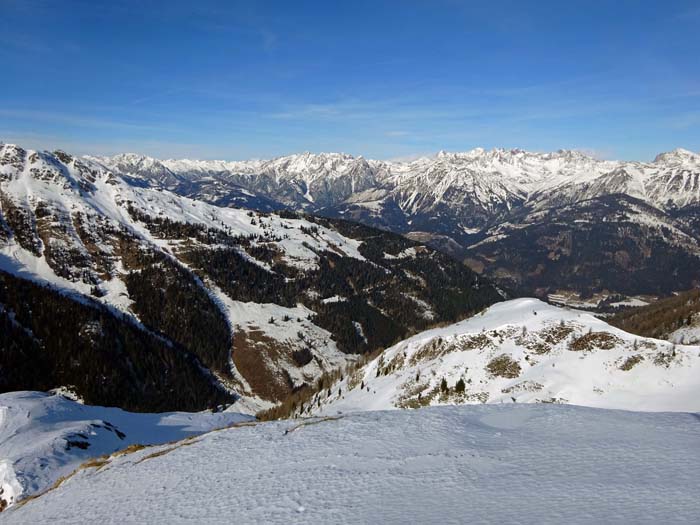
(129, 450)
(664, 359)
(439, 347)
(595, 341)
(555, 334)
(415, 396)
(503, 366)
(254, 354)
(631, 362)
(524, 386)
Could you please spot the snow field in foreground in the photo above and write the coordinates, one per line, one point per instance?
(475, 464)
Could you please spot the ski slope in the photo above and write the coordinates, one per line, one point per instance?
(467, 464)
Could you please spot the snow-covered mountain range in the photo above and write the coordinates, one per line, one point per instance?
(480, 206)
(256, 304)
(122, 287)
(488, 180)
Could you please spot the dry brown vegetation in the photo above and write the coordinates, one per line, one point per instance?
(305, 398)
(254, 355)
(97, 462)
(165, 451)
(524, 386)
(595, 341)
(555, 334)
(415, 396)
(665, 358)
(439, 347)
(135, 447)
(631, 362)
(503, 366)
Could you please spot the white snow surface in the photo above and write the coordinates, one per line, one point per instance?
(618, 371)
(35, 430)
(468, 464)
(687, 334)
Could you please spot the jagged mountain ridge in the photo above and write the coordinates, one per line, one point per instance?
(480, 206)
(263, 303)
(490, 179)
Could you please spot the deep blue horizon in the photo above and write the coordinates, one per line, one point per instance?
(238, 80)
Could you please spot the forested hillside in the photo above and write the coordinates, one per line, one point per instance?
(672, 318)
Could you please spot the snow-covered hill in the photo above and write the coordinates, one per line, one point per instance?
(477, 464)
(523, 351)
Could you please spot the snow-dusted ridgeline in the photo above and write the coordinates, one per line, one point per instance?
(69, 187)
(480, 206)
(492, 179)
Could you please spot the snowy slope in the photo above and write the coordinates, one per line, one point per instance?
(523, 351)
(44, 437)
(477, 464)
(687, 334)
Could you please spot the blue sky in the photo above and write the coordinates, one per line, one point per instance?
(235, 80)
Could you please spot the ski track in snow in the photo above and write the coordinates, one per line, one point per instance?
(476, 464)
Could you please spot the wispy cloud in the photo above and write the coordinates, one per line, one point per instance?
(684, 121)
(269, 39)
(689, 14)
(78, 121)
